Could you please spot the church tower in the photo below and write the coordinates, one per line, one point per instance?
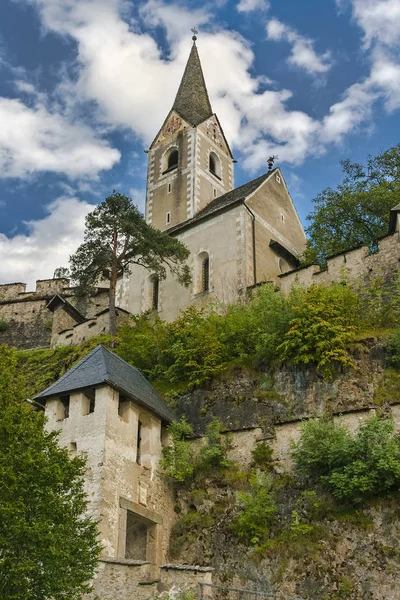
(189, 162)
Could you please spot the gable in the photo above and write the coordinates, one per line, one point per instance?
(212, 129)
(172, 125)
(274, 207)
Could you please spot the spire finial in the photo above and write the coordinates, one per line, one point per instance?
(195, 32)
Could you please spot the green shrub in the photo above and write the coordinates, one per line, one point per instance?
(178, 461)
(257, 509)
(3, 325)
(324, 326)
(352, 468)
(261, 456)
(380, 301)
(393, 349)
(213, 454)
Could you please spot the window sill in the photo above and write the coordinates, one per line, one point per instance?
(199, 294)
(169, 170)
(215, 175)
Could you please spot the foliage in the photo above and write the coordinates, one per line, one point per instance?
(61, 273)
(393, 349)
(261, 456)
(187, 529)
(117, 235)
(380, 301)
(324, 325)
(213, 454)
(357, 211)
(178, 460)
(48, 547)
(3, 325)
(257, 509)
(352, 468)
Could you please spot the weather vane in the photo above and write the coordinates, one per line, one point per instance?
(195, 32)
(271, 161)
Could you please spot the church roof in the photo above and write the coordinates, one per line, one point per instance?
(225, 201)
(102, 366)
(192, 101)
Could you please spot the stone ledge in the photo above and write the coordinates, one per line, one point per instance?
(195, 568)
(124, 561)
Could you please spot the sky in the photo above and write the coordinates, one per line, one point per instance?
(86, 84)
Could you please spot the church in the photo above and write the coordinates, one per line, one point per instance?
(238, 237)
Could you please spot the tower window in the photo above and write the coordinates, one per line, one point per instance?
(173, 157)
(156, 291)
(169, 189)
(215, 192)
(168, 218)
(214, 165)
(205, 275)
(139, 443)
(63, 408)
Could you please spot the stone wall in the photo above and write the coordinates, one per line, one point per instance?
(25, 321)
(357, 265)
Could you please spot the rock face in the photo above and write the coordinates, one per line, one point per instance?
(247, 399)
(353, 554)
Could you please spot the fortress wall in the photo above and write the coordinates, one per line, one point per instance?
(25, 320)
(358, 264)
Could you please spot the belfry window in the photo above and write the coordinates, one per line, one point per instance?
(155, 292)
(173, 158)
(214, 165)
(205, 275)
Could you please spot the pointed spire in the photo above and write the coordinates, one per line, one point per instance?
(192, 101)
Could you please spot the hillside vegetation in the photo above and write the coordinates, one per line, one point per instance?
(318, 325)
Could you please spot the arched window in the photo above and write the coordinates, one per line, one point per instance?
(214, 165)
(205, 275)
(155, 292)
(173, 157)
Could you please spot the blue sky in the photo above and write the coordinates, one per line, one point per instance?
(86, 84)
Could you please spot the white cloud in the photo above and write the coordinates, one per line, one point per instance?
(250, 5)
(48, 244)
(33, 139)
(303, 54)
(122, 70)
(380, 20)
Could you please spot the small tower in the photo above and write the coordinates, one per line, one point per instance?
(105, 408)
(189, 162)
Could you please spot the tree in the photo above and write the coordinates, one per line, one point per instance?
(61, 273)
(117, 236)
(357, 211)
(48, 547)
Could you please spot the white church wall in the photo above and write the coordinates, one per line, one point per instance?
(223, 238)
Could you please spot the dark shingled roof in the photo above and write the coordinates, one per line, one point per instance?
(192, 101)
(237, 195)
(102, 366)
(393, 218)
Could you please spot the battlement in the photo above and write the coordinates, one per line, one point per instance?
(44, 288)
(356, 265)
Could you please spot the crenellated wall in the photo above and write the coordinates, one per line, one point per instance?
(356, 265)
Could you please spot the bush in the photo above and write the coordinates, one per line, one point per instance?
(3, 325)
(393, 349)
(324, 325)
(257, 510)
(177, 461)
(213, 454)
(352, 469)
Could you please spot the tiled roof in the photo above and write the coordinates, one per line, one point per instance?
(229, 199)
(102, 366)
(192, 101)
